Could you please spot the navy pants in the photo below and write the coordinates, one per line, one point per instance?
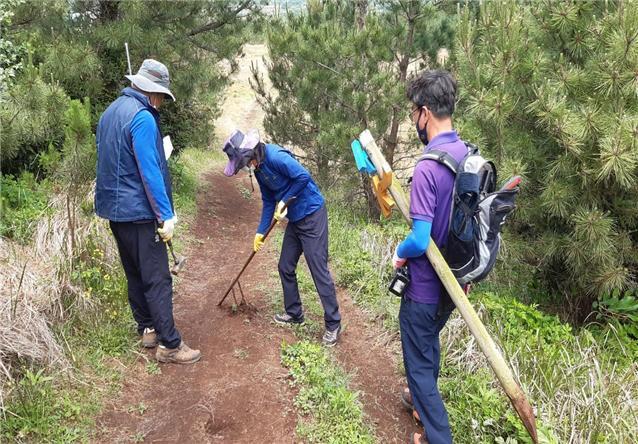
(310, 237)
(420, 326)
(150, 285)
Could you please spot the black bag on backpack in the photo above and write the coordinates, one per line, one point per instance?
(477, 215)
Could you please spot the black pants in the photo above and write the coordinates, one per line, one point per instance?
(150, 285)
(310, 237)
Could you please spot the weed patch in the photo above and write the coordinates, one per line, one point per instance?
(23, 200)
(332, 413)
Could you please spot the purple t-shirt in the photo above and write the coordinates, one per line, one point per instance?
(431, 201)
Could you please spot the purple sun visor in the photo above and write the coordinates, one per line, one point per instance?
(239, 149)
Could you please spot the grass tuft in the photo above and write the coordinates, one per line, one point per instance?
(332, 413)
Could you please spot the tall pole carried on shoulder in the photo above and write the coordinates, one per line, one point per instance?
(390, 194)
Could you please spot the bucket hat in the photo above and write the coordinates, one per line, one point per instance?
(152, 77)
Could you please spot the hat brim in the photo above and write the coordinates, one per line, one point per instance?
(251, 139)
(149, 86)
(237, 160)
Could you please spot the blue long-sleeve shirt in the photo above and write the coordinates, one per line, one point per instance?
(417, 241)
(144, 132)
(281, 177)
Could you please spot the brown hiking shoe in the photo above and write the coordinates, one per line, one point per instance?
(180, 355)
(149, 338)
(406, 399)
(408, 403)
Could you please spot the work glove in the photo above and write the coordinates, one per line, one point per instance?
(397, 261)
(167, 228)
(280, 211)
(258, 242)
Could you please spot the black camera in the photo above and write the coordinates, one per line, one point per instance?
(400, 281)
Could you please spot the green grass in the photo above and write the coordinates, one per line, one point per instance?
(22, 201)
(332, 413)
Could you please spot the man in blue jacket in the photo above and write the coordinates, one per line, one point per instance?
(283, 180)
(133, 191)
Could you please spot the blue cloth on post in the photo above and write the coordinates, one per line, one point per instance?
(281, 177)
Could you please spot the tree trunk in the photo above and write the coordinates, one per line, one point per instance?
(374, 212)
(71, 223)
(109, 10)
(361, 11)
(392, 140)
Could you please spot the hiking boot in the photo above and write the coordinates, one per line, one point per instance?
(330, 338)
(286, 319)
(408, 403)
(180, 355)
(406, 399)
(149, 338)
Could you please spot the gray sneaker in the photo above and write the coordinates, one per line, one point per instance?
(330, 338)
(149, 338)
(286, 319)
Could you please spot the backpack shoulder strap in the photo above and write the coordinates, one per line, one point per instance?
(441, 157)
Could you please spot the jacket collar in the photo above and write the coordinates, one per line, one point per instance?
(143, 99)
(442, 139)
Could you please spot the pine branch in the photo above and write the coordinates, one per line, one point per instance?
(219, 23)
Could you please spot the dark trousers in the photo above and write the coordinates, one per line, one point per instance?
(420, 326)
(150, 285)
(310, 237)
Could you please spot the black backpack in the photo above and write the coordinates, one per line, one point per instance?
(477, 215)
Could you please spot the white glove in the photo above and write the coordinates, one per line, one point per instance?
(167, 229)
(280, 211)
(397, 261)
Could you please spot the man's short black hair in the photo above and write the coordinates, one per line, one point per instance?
(435, 90)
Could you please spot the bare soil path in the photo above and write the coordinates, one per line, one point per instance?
(239, 392)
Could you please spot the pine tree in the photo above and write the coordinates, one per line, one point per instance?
(77, 168)
(550, 90)
(30, 119)
(340, 67)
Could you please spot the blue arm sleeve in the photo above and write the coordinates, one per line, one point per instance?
(417, 241)
(267, 210)
(144, 132)
(298, 175)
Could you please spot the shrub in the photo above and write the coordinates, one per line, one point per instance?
(549, 91)
(23, 201)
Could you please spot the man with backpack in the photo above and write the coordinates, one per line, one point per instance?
(287, 189)
(424, 310)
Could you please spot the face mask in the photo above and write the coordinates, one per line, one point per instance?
(423, 134)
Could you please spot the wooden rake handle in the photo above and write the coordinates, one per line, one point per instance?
(252, 255)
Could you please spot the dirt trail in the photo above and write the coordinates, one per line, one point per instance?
(238, 392)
